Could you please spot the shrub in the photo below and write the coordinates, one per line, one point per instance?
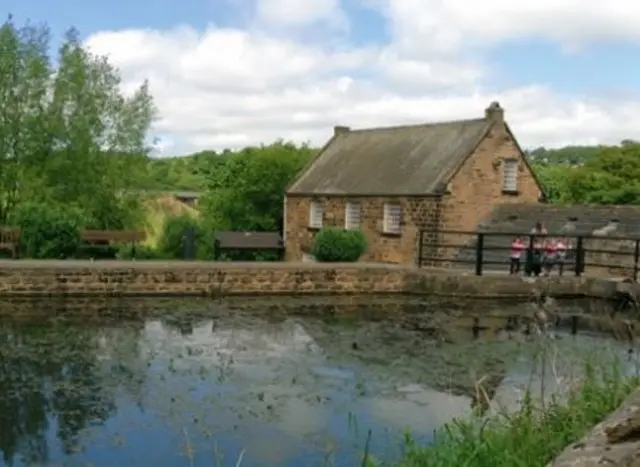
(48, 231)
(338, 245)
(171, 243)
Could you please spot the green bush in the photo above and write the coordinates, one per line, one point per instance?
(172, 238)
(338, 245)
(48, 231)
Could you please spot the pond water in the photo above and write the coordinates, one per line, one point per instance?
(202, 384)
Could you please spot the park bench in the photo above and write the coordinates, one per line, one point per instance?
(10, 240)
(248, 242)
(105, 238)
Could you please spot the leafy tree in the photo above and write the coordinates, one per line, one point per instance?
(61, 126)
(568, 155)
(610, 176)
(245, 189)
(24, 82)
(90, 120)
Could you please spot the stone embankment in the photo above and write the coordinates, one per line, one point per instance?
(615, 442)
(158, 278)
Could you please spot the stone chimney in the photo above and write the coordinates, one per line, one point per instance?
(340, 130)
(494, 112)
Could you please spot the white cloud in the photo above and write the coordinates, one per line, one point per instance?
(447, 25)
(229, 87)
(296, 13)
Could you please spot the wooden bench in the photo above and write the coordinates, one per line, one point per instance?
(248, 241)
(10, 240)
(107, 237)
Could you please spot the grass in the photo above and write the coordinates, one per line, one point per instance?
(158, 209)
(532, 436)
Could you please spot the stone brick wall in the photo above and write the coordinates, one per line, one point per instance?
(158, 278)
(193, 278)
(477, 187)
(418, 213)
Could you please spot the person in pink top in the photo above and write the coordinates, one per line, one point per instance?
(549, 255)
(555, 251)
(515, 255)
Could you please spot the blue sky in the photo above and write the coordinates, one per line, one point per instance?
(592, 61)
(603, 68)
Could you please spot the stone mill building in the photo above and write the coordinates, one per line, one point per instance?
(391, 182)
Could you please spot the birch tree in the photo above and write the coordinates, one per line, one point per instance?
(68, 134)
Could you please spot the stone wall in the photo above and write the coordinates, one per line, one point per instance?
(610, 257)
(120, 278)
(417, 212)
(477, 188)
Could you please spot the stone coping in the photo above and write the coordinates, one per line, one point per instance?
(213, 279)
(181, 265)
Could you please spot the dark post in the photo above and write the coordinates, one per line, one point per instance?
(636, 257)
(574, 324)
(215, 247)
(528, 262)
(479, 252)
(189, 244)
(420, 247)
(475, 329)
(579, 257)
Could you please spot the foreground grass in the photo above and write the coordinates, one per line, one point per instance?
(531, 437)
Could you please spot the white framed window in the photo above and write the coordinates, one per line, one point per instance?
(315, 215)
(392, 219)
(352, 216)
(510, 175)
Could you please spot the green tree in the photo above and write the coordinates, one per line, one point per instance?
(610, 175)
(91, 122)
(24, 81)
(245, 189)
(68, 136)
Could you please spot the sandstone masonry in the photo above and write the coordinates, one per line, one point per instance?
(158, 278)
(472, 193)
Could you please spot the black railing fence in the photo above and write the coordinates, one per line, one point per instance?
(490, 252)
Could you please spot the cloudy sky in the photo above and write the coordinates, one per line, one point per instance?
(227, 73)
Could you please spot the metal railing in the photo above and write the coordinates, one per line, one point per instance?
(481, 249)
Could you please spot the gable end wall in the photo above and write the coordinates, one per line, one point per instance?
(477, 187)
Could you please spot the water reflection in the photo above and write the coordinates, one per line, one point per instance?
(62, 380)
(203, 385)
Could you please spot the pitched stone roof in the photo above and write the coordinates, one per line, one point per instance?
(413, 159)
(580, 219)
